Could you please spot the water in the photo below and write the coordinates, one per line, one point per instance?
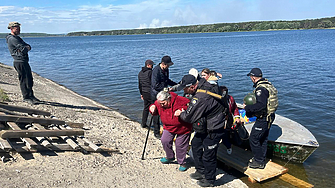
(299, 63)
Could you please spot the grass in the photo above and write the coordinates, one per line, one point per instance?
(3, 96)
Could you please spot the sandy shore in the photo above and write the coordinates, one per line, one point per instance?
(104, 126)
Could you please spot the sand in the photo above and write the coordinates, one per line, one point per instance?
(103, 126)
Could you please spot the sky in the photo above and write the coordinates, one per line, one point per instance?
(64, 16)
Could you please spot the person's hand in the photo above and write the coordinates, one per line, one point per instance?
(244, 106)
(238, 120)
(142, 97)
(219, 75)
(28, 47)
(178, 112)
(152, 108)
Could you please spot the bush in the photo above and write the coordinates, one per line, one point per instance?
(3, 96)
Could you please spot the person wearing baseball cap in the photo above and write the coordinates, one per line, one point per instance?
(264, 110)
(206, 115)
(144, 85)
(19, 51)
(160, 80)
(256, 72)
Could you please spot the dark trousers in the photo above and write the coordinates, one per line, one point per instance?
(147, 102)
(25, 78)
(155, 120)
(204, 149)
(259, 138)
(226, 138)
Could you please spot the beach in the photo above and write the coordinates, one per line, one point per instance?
(103, 126)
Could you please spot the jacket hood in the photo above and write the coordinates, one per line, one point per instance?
(144, 69)
(8, 36)
(173, 97)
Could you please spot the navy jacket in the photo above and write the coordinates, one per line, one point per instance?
(159, 80)
(202, 105)
(259, 108)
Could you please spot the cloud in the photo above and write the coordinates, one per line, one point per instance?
(158, 13)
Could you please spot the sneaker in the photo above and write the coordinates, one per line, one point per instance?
(229, 151)
(256, 165)
(205, 183)
(182, 168)
(158, 136)
(29, 101)
(197, 175)
(165, 160)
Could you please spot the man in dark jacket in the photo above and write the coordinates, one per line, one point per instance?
(19, 51)
(144, 85)
(160, 80)
(264, 109)
(204, 144)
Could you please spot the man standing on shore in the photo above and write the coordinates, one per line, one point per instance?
(19, 51)
(144, 85)
(160, 80)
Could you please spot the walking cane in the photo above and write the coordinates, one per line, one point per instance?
(146, 140)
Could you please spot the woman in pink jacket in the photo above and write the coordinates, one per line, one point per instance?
(165, 106)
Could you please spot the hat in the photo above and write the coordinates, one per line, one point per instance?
(255, 72)
(13, 24)
(194, 72)
(186, 81)
(149, 62)
(167, 60)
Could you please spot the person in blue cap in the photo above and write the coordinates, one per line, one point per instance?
(205, 112)
(264, 109)
(160, 80)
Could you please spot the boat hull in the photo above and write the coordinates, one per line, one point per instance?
(287, 140)
(289, 152)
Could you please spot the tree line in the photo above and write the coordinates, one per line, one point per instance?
(3, 35)
(321, 23)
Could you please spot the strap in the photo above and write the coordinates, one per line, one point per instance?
(209, 93)
(219, 108)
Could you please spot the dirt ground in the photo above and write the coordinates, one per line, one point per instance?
(103, 126)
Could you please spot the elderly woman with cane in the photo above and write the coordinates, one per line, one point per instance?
(165, 106)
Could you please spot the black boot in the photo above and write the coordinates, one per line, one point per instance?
(205, 183)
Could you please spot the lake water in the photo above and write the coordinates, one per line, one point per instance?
(301, 64)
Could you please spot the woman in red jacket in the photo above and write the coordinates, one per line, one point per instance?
(233, 119)
(165, 106)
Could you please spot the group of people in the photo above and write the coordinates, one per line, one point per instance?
(208, 110)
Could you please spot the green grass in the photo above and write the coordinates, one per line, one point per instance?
(3, 96)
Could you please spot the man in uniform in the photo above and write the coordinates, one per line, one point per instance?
(144, 85)
(204, 109)
(160, 80)
(19, 51)
(264, 109)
